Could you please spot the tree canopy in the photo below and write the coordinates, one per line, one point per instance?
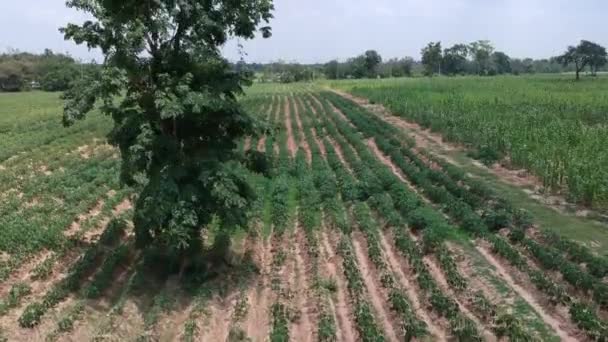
(585, 54)
(173, 100)
(431, 58)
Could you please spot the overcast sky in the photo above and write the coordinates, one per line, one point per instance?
(319, 30)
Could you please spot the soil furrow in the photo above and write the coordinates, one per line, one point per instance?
(303, 143)
(305, 326)
(438, 275)
(396, 265)
(555, 324)
(257, 322)
(342, 308)
(374, 293)
(292, 146)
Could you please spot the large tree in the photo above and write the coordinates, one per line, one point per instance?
(331, 69)
(501, 63)
(481, 51)
(585, 54)
(431, 58)
(173, 99)
(372, 59)
(455, 59)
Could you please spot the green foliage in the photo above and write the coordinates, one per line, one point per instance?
(585, 54)
(280, 323)
(178, 119)
(431, 58)
(50, 71)
(14, 296)
(543, 124)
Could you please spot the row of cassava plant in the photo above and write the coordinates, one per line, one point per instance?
(462, 213)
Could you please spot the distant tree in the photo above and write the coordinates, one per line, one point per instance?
(371, 60)
(501, 62)
(455, 59)
(173, 100)
(357, 67)
(585, 54)
(404, 67)
(481, 52)
(11, 76)
(431, 58)
(331, 70)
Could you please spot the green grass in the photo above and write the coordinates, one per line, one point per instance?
(590, 232)
(520, 307)
(550, 125)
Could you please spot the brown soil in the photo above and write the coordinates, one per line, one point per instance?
(319, 143)
(396, 171)
(305, 327)
(22, 275)
(75, 226)
(216, 326)
(303, 142)
(343, 308)
(560, 326)
(341, 114)
(374, 293)
(262, 144)
(396, 263)
(291, 142)
(476, 281)
(257, 322)
(438, 275)
(247, 145)
(339, 153)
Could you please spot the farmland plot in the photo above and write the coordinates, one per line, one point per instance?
(357, 233)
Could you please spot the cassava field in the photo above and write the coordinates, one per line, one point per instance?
(367, 226)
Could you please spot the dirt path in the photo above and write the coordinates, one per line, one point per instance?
(556, 325)
(374, 292)
(342, 307)
(396, 265)
(291, 143)
(257, 322)
(305, 327)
